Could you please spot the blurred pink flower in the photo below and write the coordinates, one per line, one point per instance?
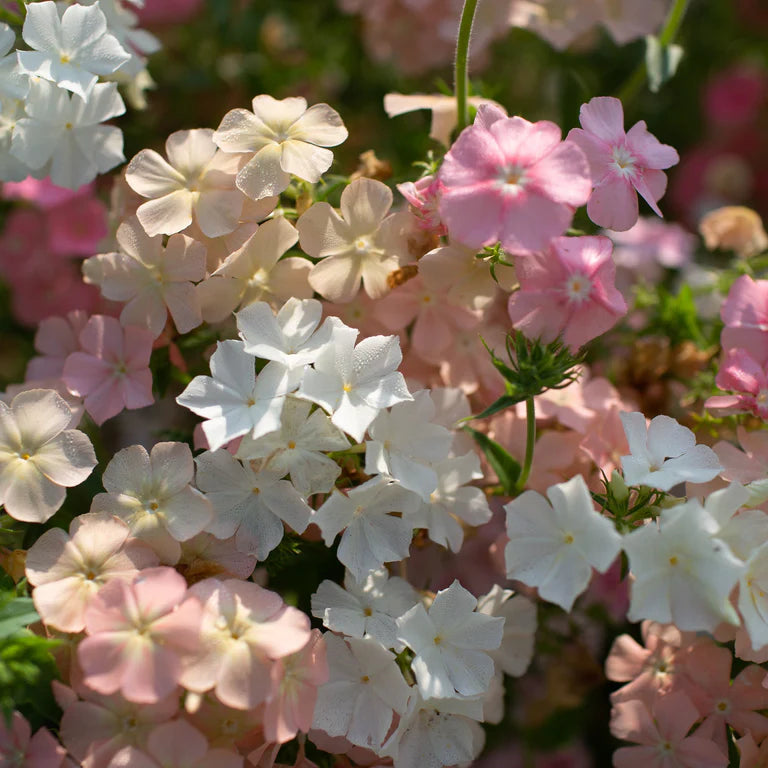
(18, 749)
(43, 193)
(168, 11)
(735, 96)
(55, 340)
(76, 227)
(741, 373)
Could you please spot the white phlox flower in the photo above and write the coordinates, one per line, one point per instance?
(283, 138)
(234, 401)
(683, 572)
(453, 502)
(39, 455)
(251, 503)
(11, 111)
(62, 136)
(367, 609)
(71, 50)
(364, 690)
(14, 83)
(450, 642)
(555, 544)
(664, 453)
(372, 535)
(296, 449)
(406, 445)
(354, 383)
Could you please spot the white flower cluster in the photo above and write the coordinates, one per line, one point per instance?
(52, 105)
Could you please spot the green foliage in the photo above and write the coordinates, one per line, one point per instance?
(674, 315)
(507, 468)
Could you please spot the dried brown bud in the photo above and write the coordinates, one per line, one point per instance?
(370, 167)
(734, 228)
(402, 275)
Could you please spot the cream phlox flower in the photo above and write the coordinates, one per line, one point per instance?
(39, 455)
(234, 401)
(61, 135)
(362, 243)
(450, 642)
(372, 535)
(664, 453)
(251, 502)
(244, 629)
(197, 181)
(290, 338)
(367, 609)
(152, 493)
(553, 545)
(256, 272)
(364, 690)
(406, 445)
(71, 50)
(683, 573)
(68, 569)
(453, 502)
(353, 383)
(285, 138)
(296, 449)
(153, 279)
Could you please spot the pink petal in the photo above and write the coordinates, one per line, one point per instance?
(613, 204)
(603, 116)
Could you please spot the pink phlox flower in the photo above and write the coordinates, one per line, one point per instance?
(662, 735)
(112, 370)
(569, 290)
(151, 278)
(56, 338)
(139, 633)
(43, 192)
(512, 181)
(19, 748)
(621, 163)
(745, 314)
(76, 228)
(742, 374)
(360, 313)
(734, 97)
(295, 680)
(205, 556)
(748, 464)
(423, 196)
(751, 754)
(245, 629)
(605, 441)
(167, 11)
(67, 570)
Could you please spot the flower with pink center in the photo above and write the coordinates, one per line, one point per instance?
(512, 181)
(622, 163)
(567, 290)
(55, 340)
(741, 373)
(139, 634)
(18, 749)
(67, 570)
(245, 629)
(662, 735)
(112, 370)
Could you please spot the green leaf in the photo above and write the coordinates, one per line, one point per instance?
(505, 401)
(661, 61)
(16, 614)
(504, 465)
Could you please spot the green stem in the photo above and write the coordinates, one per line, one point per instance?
(530, 442)
(461, 84)
(667, 36)
(10, 17)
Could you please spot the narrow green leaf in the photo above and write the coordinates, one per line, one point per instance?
(505, 401)
(504, 465)
(17, 614)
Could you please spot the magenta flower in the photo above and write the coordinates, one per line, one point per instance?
(112, 370)
(512, 181)
(139, 632)
(569, 290)
(621, 163)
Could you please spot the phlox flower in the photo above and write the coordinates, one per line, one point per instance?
(750, 754)
(450, 643)
(554, 545)
(508, 180)
(354, 383)
(197, 181)
(14, 83)
(67, 570)
(372, 536)
(234, 401)
(568, 290)
(19, 748)
(111, 370)
(251, 502)
(151, 278)
(256, 272)
(364, 689)
(734, 228)
(71, 50)
(363, 243)
(662, 735)
(740, 372)
(138, 634)
(290, 707)
(621, 163)
(62, 136)
(664, 453)
(365, 609)
(745, 314)
(205, 556)
(152, 494)
(683, 572)
(56, 338)
(423, 197)
(245, 628)
(284, 138)
(39, 455)
(11, 111)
